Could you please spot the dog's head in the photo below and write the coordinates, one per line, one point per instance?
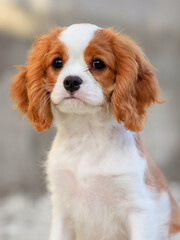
(81, 69)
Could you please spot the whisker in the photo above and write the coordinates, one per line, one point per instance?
(42, 100)
(87, 69)
(46, 101)
(35, 92)
(52, 84)
(107, 95)
(44, 95)
(37, 88)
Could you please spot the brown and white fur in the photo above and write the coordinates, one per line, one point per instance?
(103, 184)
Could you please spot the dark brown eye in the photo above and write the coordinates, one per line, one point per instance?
(98, 64)
(57, 63)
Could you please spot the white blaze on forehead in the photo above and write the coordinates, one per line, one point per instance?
(77, 37)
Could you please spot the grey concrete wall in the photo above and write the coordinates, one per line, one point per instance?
(155, 25)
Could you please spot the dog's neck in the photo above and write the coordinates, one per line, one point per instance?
(86, 139)
(98, 127)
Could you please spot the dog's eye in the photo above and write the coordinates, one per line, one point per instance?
(98, 64)
(57, 63)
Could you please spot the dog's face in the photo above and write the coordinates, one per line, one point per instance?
(76, 89)
(82, 69)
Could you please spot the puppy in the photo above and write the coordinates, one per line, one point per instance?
(97, 85)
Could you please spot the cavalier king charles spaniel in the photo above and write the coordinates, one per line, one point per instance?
(97, 85)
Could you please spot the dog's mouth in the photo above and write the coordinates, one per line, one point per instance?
(73, 98)
(76, 105)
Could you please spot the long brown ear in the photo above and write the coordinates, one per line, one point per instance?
(28, 87)
(39, 109)
(135, 87)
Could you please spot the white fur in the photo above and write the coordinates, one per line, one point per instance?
(76, 38)
(95, 172)
(96, 177)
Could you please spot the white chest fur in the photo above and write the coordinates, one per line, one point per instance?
(94, 165)
(96, 175)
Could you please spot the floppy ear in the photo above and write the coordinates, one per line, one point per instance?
(135, 87)
(39, 109)
(28, 90)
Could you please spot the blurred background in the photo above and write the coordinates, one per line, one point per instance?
(154, 25)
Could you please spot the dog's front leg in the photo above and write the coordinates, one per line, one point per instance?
(61, 226)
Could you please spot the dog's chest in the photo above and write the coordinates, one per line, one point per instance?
(93, 201)
(95, 183)
(90, 178)
(90, 173)
(90, 190)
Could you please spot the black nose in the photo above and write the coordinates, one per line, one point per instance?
(72, 83)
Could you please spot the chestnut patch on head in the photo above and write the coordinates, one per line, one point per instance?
(101, 61)
(127, 79)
